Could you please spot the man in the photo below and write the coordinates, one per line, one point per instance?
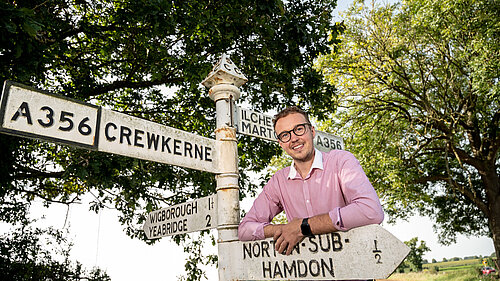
(320, 192)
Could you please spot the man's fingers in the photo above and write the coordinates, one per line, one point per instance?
(276, 236)
(277, 244)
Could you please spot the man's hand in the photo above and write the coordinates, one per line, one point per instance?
(287, 236)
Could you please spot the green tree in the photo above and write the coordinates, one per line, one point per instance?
(415, 260)
(122, 55)
(419, 104)
(23, 256)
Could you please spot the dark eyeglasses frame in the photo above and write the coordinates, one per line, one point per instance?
(294, 130)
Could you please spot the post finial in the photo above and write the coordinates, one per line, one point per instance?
(225, 72)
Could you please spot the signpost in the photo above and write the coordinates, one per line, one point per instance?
(196, 215)
(28, 112)
(368, 252)
(255, 124)
(138, 138)
(363, 253)
(37, 114)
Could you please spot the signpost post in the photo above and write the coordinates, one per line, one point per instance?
(363, 253)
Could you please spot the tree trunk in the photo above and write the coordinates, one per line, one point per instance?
(492, 185)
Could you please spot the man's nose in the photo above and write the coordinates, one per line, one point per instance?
(293, 137)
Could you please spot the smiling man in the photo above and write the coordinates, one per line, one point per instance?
(320, 192)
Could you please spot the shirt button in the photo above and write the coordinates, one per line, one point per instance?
(307, 201)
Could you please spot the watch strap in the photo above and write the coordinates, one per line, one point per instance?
(305, 228)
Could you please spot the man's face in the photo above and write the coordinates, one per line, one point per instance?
(300, 148)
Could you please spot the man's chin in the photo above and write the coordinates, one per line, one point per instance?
(302, 157)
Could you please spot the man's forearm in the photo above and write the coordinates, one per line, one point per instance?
(321, 224)
(270, 230)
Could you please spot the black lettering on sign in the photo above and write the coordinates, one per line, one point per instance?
(84, 128)
(336, 242)
(298, 269)
(194, 207)
(138, 137)
(290, 270)
(277, 271)
(188, 147)
(255, 130)
(265, 249)
(109, 137)
(177, 147)
(302, 273)
(377, 253)
(208, 154)
(125, 132)
(23, 110)
(65, 117)
(49, 115)
(312, 240)
(208, 218)
(153, 140)
(253, 117)
(324, 245)
(245, 127)
(198, 151)
(314, 268)
(164, 143)
(210, 203)
(247, 250)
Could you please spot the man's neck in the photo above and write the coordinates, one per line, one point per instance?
(303, 167)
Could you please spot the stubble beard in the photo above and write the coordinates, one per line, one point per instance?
(307, 157)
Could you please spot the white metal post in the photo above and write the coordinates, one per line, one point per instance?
(223, 83)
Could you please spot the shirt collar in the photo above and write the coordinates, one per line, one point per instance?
(317, 163)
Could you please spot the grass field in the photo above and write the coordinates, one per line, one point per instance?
(462, 270)
(453, 264)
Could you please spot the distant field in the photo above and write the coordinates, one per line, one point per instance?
(459, 275)
(462, 270)
(461, 264)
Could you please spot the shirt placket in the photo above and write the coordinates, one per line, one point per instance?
(307, 197)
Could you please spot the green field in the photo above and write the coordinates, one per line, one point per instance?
(462, 270)
(454, 265)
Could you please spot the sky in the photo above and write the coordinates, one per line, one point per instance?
(100, 240)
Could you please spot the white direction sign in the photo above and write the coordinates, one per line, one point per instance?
(255, 124)
(139, 138)
(28, 112)
(182, 218)
(368, 252)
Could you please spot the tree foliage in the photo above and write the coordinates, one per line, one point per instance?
(147, 59)
(415, 259)
(419, 104)
(24, 256)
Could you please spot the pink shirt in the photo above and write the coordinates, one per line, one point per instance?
(336, 184)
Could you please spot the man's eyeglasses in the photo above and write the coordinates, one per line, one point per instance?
(298, 130)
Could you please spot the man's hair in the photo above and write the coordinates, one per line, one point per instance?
(287, 111)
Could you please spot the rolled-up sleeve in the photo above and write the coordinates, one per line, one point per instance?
(362, 203)
(264, 208)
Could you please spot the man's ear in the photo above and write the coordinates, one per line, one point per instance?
(313, 131)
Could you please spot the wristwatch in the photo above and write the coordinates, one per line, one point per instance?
(305, 228)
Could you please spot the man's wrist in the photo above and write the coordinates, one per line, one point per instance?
(305, 228)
